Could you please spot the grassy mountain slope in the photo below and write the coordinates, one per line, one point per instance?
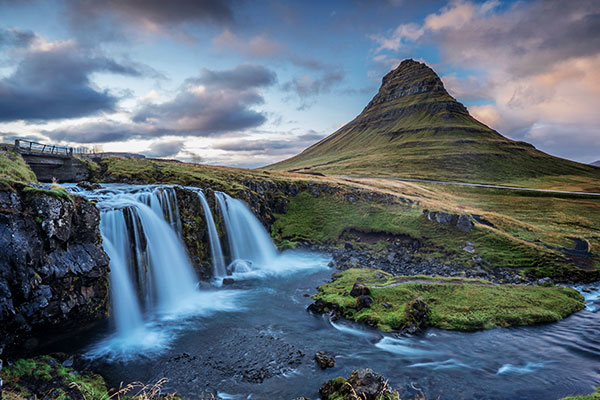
(414, 129)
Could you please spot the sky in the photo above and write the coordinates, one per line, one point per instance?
(248, 83)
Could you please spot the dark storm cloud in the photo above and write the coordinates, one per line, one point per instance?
(54, 83)
(242, 77)
(168, 148)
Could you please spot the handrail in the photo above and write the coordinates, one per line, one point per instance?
(36, 147)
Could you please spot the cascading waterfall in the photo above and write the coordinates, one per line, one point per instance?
(213, 237)
(150, 269)
(249, 242)
(126, 309)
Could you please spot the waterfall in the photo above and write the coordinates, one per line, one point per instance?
(249, 242)
(215, 244)
(150, 269)
(126, 309)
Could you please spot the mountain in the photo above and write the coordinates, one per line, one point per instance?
(596, 163)
(413, 128)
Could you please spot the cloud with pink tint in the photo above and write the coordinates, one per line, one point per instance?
(257, 46)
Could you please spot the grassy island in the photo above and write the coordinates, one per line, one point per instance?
(452, 303)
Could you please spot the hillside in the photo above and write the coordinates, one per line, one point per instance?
(413, 128)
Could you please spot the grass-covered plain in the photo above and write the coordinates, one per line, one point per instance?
(456, 304)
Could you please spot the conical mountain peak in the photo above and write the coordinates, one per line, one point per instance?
(413, 128)
(409, 78)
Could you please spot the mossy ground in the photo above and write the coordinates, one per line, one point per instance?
(14, 170)
(456, 304)
(528, 232)
(44, 377)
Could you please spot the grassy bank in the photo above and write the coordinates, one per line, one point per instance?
(456, 304)
(46, 377)
(14, 170)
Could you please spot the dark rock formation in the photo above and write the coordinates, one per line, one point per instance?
(417, 312)
(53, 270)
(325, 361)
(363, 302)
(363, 384)
(360, 289)
(461, 221)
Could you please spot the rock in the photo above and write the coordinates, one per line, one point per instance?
(469, 249)
(360, 289)
(53, 269)
(386, 306)
(417, 312)
(363, 302)
(228, 281)
(88, 185)
(348, 245)
(367, 384)
(324, 360)
(464, 223)
(363, 384)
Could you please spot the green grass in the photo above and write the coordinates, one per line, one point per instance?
(55, 191)
(13, 169)
(593, 396)
(21, 379)
(325, 218)
(456, 304)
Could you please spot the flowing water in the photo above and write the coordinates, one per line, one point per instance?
(226, 340)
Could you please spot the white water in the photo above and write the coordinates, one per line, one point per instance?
(249, 243)
(215, 244)
(152, 280)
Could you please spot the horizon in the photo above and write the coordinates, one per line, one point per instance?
(246, 85)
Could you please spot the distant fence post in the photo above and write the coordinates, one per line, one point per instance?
(17, 144)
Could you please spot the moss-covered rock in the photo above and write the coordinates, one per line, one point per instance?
(362, 384)
(412, 302)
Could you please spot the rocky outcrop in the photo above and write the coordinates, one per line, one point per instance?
(461, 221)
(53, 270)
(363, 384)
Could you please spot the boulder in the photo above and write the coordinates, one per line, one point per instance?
(363, 384)
(464, 223)
(417, 312)
(324, 360)
(363, 302)
(360, 289)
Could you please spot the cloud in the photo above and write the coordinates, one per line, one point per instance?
(107, 18)
(16, 38)
(52, 81)
(305, 85)
(252, 153)
(533, 67)
(211, 104)
(242, 77)
(257, 46)
(168, 148)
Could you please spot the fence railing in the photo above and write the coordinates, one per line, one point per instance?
(35, 147)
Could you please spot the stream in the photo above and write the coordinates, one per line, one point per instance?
(255, 339)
